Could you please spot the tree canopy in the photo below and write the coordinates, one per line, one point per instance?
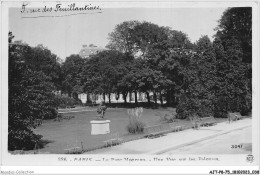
(71, 75)
(30, 97)
(236, 23)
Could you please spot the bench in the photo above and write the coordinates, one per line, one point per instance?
(234, 117)
(75, 150)
(113, 139)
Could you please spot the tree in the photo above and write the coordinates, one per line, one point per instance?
(139, 78)
(146, 37)
(151, 43)
(233, 91)
(120, 38)
(171, 57)
(234, 33)
(71, 71)
(30, 98)
(198, 92)
(154, 45)
(237, 23)
(222, 69)
(103, 73)
(40, 58)
(207, 75)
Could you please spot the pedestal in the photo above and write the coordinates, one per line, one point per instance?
(100, 127)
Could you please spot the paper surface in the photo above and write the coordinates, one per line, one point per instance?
(63, 27)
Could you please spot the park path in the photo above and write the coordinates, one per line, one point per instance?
(175, 140)
(77, 109)
(80, 109)
(235, 142)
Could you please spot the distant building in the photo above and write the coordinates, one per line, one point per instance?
(88, 50)
(19, 43)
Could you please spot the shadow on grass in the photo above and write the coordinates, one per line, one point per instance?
(146, 105)
(43, 142)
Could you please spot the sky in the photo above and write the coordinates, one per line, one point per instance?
(66, 35)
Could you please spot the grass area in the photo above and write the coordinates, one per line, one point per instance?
(76, 132)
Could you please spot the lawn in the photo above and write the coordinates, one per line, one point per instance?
(64, 134)
(70, 133)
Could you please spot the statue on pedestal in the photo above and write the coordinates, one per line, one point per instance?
(101, 110)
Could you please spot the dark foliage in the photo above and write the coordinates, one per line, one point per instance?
(66, 102)
(30, 98)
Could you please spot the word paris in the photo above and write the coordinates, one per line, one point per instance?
(60, 8)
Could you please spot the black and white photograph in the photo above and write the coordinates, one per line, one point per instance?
(130, 83)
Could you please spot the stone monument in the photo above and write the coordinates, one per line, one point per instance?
(100, 125)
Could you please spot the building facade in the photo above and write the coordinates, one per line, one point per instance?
(88, 50)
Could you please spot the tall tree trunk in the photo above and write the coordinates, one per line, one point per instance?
(109, 98)
(117, 96)
(88, 97)
(124, 97)
(136, 98)
(173, 99)
(155, 97)
(75, 95)
(104, 97)
(168, 98)
(130, 97)
(148, 97)
(161, 99)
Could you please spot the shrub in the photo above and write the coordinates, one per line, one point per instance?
(224, 105)
(19, 139)
(135, 126)
(194, 106)
(246, 106)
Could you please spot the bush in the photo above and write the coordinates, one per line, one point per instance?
(194, 106)
(22, 139)
(135, 124)
(246, 106)
(239, 104)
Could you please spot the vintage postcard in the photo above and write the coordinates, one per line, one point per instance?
(169, 85)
